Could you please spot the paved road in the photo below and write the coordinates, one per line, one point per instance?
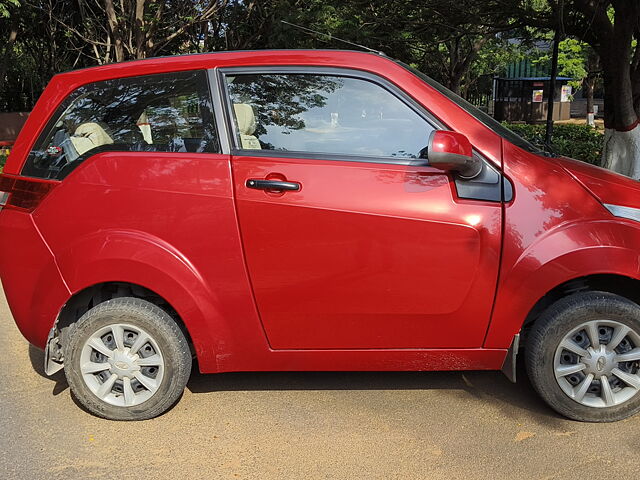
(304, 425)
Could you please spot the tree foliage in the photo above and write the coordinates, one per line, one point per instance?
(457, 42)
(573, 58)
(5, 6)
(612, 29)
(462, 44)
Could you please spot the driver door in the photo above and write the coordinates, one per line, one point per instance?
(351, 242)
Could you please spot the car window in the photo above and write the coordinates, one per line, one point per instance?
(324, 114)
(157, 113)
(478, 114)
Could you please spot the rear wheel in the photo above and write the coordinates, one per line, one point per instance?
(126, 359)
(583, 357)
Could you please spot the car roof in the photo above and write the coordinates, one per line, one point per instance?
(222, 58)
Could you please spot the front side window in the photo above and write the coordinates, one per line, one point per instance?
(475, 112)
(323, 114)
(153, 113)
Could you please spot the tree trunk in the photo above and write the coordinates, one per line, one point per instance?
(621, 152)
(454, 79)
(139, 29)
(8, 49)
(114, 28)
(454, 84)
(460, 61)
(588, 84)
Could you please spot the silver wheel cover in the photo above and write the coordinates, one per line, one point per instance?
(597, 364)
(122, 365)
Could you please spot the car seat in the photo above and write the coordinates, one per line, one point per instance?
(89, 136)
(246, 121)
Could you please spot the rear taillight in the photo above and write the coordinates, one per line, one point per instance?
(22, 193)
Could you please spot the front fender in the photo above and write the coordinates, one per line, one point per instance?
(142, 259)
(568, 252)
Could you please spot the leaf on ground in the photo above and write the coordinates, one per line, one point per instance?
(523, 436)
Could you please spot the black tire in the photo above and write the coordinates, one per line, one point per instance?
(550, 329)
(165, 333)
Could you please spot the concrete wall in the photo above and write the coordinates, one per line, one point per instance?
(530, 112)
(579, 107)
(10, 125)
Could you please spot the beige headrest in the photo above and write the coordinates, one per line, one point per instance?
(245, 117)
(89, 136)
(94, 132)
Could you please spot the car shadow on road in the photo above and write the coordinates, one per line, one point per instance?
(36, 356)
(489, 387)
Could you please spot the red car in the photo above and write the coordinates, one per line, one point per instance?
(309, 210)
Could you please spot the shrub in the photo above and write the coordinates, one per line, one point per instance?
(581, 142)
(3, 160)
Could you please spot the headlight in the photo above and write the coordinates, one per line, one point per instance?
(623, 212)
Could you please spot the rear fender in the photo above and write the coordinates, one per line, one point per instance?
(33, 284)
(142, 259)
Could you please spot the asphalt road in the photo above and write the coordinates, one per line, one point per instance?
(304, 426)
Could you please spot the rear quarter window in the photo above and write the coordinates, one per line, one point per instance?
(152, 113)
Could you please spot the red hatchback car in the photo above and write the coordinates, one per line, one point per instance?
(309, 210)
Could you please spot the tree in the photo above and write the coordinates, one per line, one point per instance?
(621, 70)
(5, 12)
(455, 42)
(132, 29)
(612, 29)
(5, 5)
(576, 60)
(589, 83)
(440, 37)
(572, 60)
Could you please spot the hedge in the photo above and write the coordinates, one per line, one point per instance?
(579, 141)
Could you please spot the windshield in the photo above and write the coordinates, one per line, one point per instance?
(476, 113)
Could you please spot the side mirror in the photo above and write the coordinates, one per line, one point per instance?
(452, 151)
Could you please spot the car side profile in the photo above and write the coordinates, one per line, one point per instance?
(309, 210)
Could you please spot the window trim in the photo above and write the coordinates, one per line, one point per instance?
(393, 89)
(219, 115)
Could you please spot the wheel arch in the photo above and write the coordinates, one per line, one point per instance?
(86, 298)
(589, 255)
(146, 266)
(83, 300)
(622, 285)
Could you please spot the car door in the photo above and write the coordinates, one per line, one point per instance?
(351, 242)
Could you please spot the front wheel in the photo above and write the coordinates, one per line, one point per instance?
(126, 359)
(583, 357)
